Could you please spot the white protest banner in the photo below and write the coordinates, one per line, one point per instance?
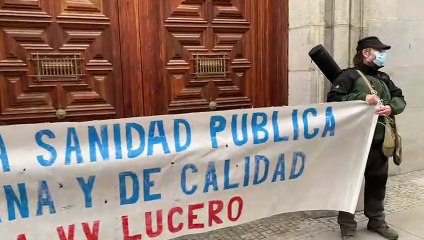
(166, 176)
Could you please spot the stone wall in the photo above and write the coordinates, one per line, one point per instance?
(400, 24)
(338, 25)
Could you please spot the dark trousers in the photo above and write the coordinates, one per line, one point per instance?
(376, 173)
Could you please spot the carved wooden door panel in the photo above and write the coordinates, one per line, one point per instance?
(59, 59)
(201, 55)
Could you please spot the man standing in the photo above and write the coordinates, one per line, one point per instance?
(370, 57)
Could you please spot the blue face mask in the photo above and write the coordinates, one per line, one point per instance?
(380, 58)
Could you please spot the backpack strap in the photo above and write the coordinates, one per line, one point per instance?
(367, 82)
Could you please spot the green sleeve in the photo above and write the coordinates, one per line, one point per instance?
(397, 104)
(397, 101)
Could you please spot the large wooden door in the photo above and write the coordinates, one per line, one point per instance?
(59, 59)
(96, 59)
(199, 55)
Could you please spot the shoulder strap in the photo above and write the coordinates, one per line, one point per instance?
(367, 82)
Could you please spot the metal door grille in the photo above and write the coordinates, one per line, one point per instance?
(64, 66)
(210, 65)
